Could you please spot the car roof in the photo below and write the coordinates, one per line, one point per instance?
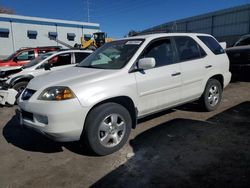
(73, 51)
(40, 47)
(158, 35)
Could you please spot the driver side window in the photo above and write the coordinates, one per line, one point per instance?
(26, 55)
(162, 51)
(60, 60)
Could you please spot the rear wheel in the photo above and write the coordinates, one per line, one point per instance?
(212, 95)
(107, 128)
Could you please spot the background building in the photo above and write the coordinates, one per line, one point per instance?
(23, 31)
(226, 25)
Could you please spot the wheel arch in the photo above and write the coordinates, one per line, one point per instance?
(220, 78)
(126, 102)
(17, 79)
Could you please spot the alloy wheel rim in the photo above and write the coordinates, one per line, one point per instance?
(111, 130)
(213, 95)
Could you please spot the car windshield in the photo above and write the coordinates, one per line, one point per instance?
(113, 55)
(37, 60)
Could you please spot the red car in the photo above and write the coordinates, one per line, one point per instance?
(25, 55)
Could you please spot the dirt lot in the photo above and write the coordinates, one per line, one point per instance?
(183, 147)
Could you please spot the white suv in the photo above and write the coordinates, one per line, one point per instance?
(100, 100)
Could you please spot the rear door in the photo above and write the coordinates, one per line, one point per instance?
(192, 64)
(159, 87)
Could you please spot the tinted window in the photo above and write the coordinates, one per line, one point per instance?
(212, 44)
(62, 59)
(188, 49)
(81, 56)
(27, 55)
(162, 51)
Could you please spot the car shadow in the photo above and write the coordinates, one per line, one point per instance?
(30, 140)
(189, 153)
(191, 107)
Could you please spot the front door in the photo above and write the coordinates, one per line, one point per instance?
(159, 87)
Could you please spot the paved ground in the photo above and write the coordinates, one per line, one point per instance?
(183, 147)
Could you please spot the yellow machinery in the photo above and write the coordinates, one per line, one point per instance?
(94, 42)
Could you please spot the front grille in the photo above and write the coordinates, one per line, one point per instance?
(27, 94)
(27, 115)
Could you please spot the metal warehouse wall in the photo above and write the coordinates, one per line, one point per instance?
(19, 26)
(226, 25)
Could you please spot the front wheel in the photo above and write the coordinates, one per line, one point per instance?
(212, 95)
(107, 128)
(20, 86)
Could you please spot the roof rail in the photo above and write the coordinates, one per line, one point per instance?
(151, 32)
(59, 47)
(49, 47)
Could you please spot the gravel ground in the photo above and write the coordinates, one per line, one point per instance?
(182, 147)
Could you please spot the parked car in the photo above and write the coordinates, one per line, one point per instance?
(25, 55)
(101, 99)
(46, 63)
(239, 56)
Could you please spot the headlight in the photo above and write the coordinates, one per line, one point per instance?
(56, 93)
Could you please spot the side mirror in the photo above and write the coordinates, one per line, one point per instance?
(146, 63)
(47, 66)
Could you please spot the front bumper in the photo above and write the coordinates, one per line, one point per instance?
(59, 120)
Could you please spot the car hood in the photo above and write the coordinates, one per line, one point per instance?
(4, 63)
(69, 77)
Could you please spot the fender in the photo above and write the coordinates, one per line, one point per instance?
(16, 79)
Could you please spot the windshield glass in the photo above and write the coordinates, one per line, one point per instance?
(112, 55)
(36, 60)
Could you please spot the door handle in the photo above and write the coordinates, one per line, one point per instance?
(208, 66)
(176, 74)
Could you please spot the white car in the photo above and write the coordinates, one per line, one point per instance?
(100, 100)
(43, 64)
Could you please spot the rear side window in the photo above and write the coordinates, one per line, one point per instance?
(212, 44)
(80, 56)
(162, 51)
(40, 52)
(188, 48)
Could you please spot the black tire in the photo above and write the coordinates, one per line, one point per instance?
(211, 101)
(20, 86)
(91, 135)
